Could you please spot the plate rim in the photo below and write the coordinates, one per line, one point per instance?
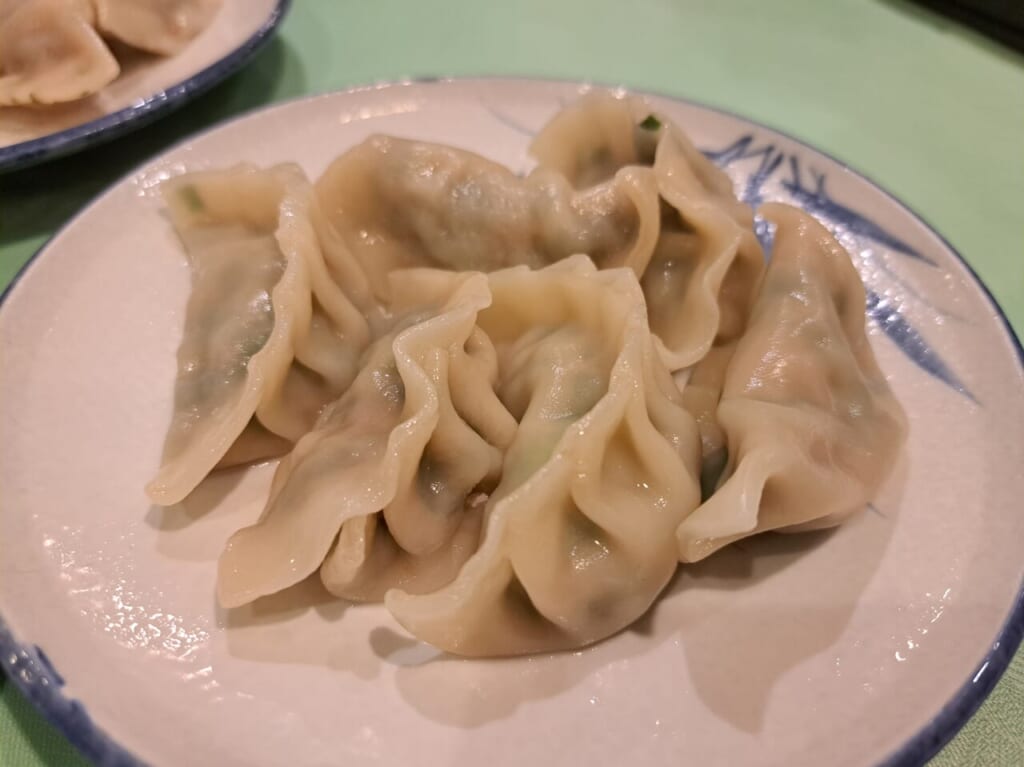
(27, 667)
(94, 132)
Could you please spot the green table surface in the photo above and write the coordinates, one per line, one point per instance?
(932, 111)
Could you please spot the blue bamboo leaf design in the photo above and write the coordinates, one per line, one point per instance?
(741, 150)
(737, 150)
(817, 201)
(912, 343)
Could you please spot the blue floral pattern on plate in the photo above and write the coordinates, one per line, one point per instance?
(765, 162)
(817, 201)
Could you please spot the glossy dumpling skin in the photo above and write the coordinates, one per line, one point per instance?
(578, 537)
(605, 186)
(701, 272)
(419, 430)
(811, 425)
(400, 204)
(269, 338)
(50, 52)
(156, 26)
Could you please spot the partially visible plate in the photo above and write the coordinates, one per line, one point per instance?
(148, 87)
(871, 643)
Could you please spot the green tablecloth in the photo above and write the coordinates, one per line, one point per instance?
(930, 110)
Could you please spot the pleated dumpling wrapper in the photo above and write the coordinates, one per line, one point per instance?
(399, 204)
(578, 537)
(418, 432)
(700, 273)
(156, 26)
(613, 181)
(50, 52)
(811, 425)
(269, 337)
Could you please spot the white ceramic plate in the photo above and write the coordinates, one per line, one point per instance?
(870, 643)
(148, 87)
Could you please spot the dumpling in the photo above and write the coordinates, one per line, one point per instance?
(50, 53)
(269, 338)
(399, 204)
(703, 272)
(417, 433)
(811, 425)
(157, 26)
(622, 188)
(578, 536)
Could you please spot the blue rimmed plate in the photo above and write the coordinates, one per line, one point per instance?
(869, 644)
(148, 87)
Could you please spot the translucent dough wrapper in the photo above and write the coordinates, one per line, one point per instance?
(412, 438)
(578, 537)
(811, 425)
(50, 52)
(269, 337)
(156, 26)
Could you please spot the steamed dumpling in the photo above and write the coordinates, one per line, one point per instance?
(50, 53)
(399, 204)
(157, 26)
(578, 537)
(415, 435)
(269, 338)
(811, 425)
(594, 378)
(606, 186)
(702, 273)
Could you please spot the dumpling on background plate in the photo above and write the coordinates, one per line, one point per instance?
(54, 51)
(156, 26)
(50, 52)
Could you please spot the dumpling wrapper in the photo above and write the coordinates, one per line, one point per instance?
(269, 338)
(399, 204)
(50, 52)
(419, 429)
(157, 26)
(368, 559)
(606, 187)
(578, 537)
(701, 272)
(811, 425)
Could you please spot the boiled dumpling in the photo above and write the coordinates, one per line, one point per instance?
(701, 275)
(269, 338)
(398, 204)
(578, 537)
(610, 184)
(50, 53)
(509, 406)
(811, 425)
(416, 434)
(157, 26)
